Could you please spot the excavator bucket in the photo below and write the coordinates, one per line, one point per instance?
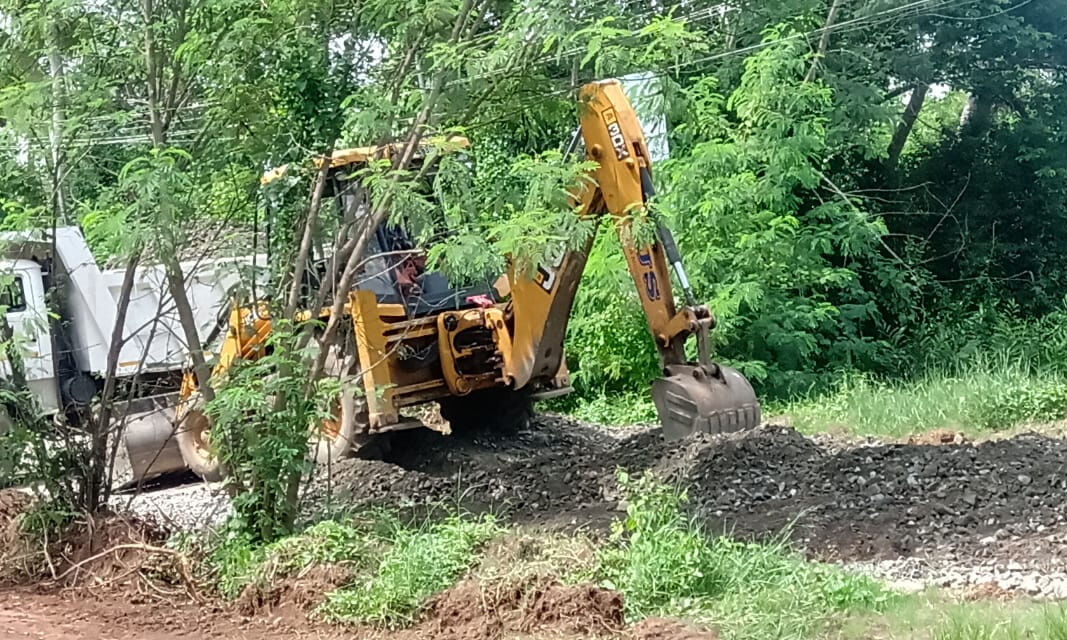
(694, 398)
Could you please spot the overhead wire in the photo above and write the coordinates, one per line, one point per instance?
(842, 27)
(910, 10)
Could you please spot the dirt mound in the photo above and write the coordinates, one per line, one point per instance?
(667, 629)
(840, 498)
(106, 549)
(292, 596)
(475, 611)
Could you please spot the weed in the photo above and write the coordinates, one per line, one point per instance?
(45, 520)
(665, 564)
(235, 561)
(419, 563)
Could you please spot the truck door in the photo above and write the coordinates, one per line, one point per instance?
(23, 297)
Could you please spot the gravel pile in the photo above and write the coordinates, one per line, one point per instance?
(951, 513)
(190, 507)
(862, 501)
(990, 576)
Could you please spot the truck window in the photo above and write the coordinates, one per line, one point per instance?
(13, 296)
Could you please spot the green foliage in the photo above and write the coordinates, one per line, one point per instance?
(238, 560)
(625, 408)
(235, 561)
(525, 215)
(608, 343)
(419, 563)
(45, 520)
(665, 564)
(793, 271)
(261, 441)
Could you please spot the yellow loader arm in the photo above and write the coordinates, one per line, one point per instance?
(691, 396)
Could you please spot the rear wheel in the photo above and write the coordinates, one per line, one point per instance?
(501, 410)
(193, 436)
(346, 432)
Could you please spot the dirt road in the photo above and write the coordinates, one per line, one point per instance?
(25, 615)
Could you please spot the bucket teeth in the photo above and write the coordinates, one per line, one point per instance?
(691, 400)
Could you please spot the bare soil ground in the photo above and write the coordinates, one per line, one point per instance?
(989, 514)
(77, 615)
(468, 611)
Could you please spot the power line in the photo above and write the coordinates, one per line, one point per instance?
(843, 27)
(847, 26)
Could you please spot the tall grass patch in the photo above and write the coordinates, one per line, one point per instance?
(984, 393)
(418, 563)
(239, 562)
(1050, 623)
(667, 565)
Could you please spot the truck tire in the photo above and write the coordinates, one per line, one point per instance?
(192, 435)
(498, 410)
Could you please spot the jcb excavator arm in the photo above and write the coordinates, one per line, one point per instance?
(691, 396)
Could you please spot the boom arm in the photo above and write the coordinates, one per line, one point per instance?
(700, 396)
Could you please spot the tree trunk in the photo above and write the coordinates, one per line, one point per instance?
(824, 41)
(907, 123)
(307, 235)
(100, 461)
(176, 287)
(977, 114)
(169, 254)
(55, 68)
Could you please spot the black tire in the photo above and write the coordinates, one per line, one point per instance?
(192, 436)
(496, 410)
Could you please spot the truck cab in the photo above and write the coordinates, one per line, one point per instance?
(22, 296)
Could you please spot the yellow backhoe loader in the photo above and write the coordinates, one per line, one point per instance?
(484, 354)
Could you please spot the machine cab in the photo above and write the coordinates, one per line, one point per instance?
(394, 268)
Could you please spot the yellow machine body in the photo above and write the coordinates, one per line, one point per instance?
(515, 342)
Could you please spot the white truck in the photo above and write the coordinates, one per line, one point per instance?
(65, 352)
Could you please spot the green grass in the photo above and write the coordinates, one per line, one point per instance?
(419, 563)
(986, 394)
(1044, 623)
(395, 565)
(618, 409)
(238, 562)
(934, 616)
(666, 565)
